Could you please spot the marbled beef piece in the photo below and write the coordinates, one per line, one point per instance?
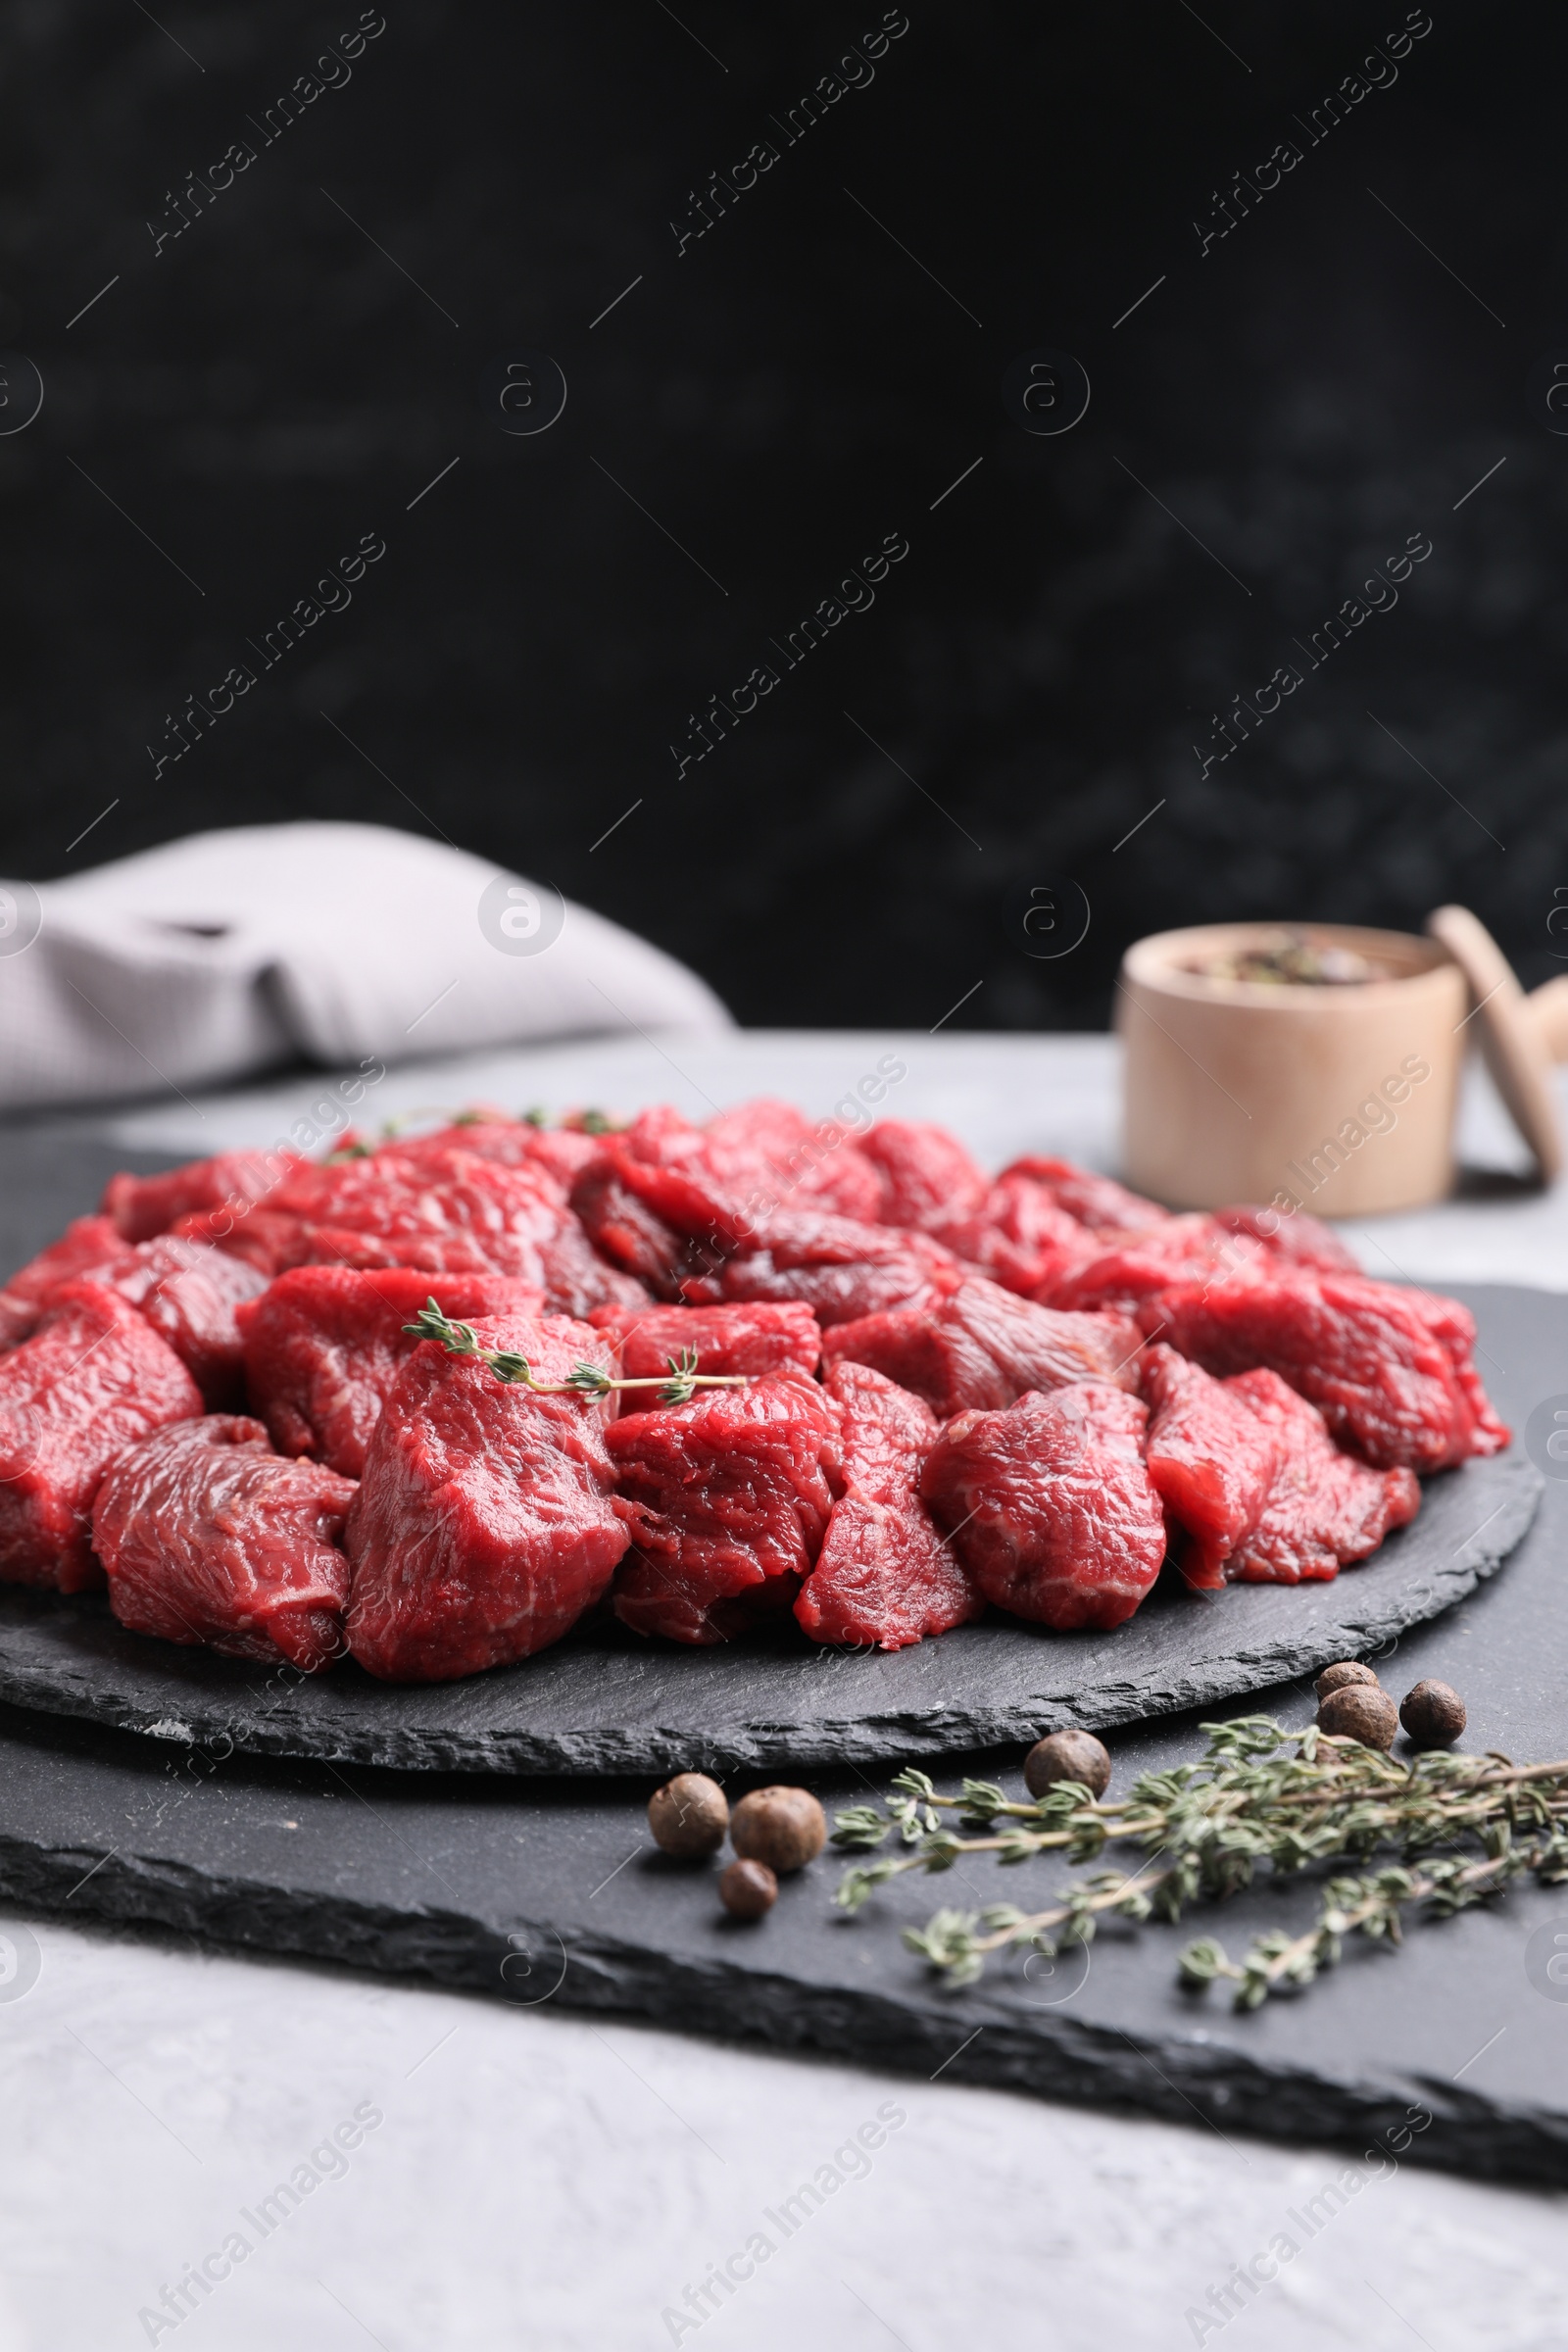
(141, 1207)
(1323, 1510)
(753, 1340)
(1051, 1506)
(842, 1270)
(928, 1179)
(730, 1496)
(885, 1573)
(1390, 1368)
(85, 1241)
(93, 1379)
(982, 1346)
(485, 1522)
(1211, 1459)
(323, 1345)
(208, 1536)
(1095, 1201)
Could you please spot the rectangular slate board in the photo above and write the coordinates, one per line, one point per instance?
(541, 1890)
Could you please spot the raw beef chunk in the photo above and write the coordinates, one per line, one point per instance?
(1051, 1506)
(141, 1207)
(190, 1295)
(1212, 1460)
(563, 1153)
(884, 1574)
(732, 1495)
(1297, 1239)
(577, 1280)
(624, 1229)
(1132, 1266)
(269, 1238)
(928, 1177)
(93, 1379)
(1021, 1238)
(753, 1340)
(786, 1163)
(1323, 1509)
(703, 1192)
(983, 1346)
(484, 1523)
(85, 1241)
(324, 1345)
(1191, 1249)
(1453, 1327)
(442, 1209)
(1095, 1201)
(839, 1268)
(208, 1536)
(465, 1215)
(724, 1183)
(1390, 1369)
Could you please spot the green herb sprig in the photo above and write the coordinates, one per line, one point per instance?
(584, 1379)
(1261, 1793)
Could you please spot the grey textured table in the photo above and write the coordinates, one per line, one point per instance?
(537, 2181)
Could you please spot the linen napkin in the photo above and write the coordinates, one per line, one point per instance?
(227, 953)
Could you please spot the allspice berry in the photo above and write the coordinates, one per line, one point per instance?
(1067, 1756)
(1433, 1714)
(1339, 1677)
(689, 1816)
(1361, 1711)
(748, 1889)
(785, 1828)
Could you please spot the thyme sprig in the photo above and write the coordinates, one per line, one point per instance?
(1259, 1793)
(583, 1380)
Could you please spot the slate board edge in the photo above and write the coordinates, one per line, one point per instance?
(1053, 2058)
(826, 1741)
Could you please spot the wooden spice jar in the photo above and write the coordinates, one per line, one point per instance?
(1336, 1098)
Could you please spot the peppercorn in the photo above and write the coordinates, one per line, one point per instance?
(1433, 1714)
(785, 1828)
(689, 1816)
(748, 1889)
(1339, 1677)
(1067, 1756)
(1361, 1711)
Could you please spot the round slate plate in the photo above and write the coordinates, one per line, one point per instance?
(604, 1703)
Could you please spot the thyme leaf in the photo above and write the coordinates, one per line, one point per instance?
(583, 1380)
(1258, 1796)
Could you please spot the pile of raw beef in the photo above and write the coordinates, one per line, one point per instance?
(1030, 1392)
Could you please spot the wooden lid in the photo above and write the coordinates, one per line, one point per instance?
(1510, 1036)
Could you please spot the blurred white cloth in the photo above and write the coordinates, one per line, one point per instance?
(224, 954)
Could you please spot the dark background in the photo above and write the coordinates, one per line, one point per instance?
(781, 396)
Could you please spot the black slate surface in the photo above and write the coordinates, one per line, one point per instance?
(605, 1702)
(548, 1890)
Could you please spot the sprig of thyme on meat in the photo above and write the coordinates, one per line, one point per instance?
(1260, 1795)
(678, 1386)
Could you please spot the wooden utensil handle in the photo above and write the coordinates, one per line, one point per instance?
(1548, 1007)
